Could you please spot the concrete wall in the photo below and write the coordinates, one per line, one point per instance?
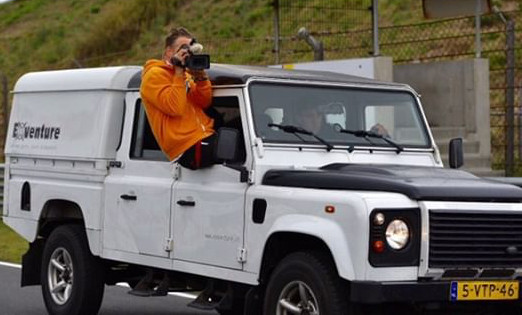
(454, 94)
(383, 68)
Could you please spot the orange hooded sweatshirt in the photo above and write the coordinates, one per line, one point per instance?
(176, 116)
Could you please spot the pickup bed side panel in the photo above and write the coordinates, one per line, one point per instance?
(84, 191)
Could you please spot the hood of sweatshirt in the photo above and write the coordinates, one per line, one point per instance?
(156, 63)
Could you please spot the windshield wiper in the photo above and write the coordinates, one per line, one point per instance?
(369, 134)
(298, 130)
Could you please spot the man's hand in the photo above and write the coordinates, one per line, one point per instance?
(198, 75)
(380, 130)
(181, 56)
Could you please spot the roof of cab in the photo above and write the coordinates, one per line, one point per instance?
(129, 77)
(223, 74)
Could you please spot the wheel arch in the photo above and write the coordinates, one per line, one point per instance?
(55, 212)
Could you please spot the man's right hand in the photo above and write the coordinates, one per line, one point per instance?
(181, 56)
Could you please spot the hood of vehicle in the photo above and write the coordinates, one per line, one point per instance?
(416, 182)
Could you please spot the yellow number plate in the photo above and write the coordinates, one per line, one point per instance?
(483, 290)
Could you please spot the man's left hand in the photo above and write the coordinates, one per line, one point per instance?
(198, 75)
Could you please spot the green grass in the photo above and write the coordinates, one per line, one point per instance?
(12, 246)
(41, 35)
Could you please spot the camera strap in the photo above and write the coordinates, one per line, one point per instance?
(187, 86)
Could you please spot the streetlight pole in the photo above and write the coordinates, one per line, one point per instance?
(276, 31)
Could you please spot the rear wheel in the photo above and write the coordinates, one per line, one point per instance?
(305, 283)
(72, 278)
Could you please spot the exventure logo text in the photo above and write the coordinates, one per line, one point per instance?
(22, 131)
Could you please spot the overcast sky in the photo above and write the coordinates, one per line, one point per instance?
(2, 1)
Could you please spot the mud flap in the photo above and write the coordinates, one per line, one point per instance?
(32, 263)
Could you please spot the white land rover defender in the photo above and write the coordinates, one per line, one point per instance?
(289, 221)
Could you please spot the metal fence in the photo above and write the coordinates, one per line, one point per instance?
(343, 25)
(455, 39)
(345, 30)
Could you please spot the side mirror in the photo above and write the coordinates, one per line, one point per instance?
(226, 147)
(226, 151)
(456, 155)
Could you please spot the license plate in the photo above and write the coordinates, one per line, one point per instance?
(483, 290)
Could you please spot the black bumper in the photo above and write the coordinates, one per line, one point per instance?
(369, 292)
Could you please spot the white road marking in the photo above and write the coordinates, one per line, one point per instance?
(2, 263)
(120, 284)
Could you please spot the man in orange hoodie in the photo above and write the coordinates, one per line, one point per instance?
(175, 99)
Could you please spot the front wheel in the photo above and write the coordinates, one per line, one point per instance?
(72, 278)
(305, 283)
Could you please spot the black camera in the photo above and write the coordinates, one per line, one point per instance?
(198, 62)
(195, 60)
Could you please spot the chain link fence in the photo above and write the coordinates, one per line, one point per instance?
(345, 30)
(344, 27)
(454, 39)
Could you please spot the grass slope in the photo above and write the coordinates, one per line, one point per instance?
(12, 246)
(39, 35)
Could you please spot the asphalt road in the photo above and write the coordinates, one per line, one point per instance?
(15, 300)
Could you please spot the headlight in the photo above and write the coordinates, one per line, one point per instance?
(394, 237)
(397, 234)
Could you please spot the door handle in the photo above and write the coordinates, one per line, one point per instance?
(188, 203)
(128, 197)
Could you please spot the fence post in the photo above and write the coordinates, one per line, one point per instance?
(520, 123)
(276, 31)
(375, 26)
(478, 44)
(5, 100)
(510, 98)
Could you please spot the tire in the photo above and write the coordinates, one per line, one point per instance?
(73, 272)
(306, 276)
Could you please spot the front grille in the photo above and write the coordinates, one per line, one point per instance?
(464, 239)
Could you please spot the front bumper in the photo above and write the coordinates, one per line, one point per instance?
(370, 292)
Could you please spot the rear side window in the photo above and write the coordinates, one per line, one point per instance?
(144, 145)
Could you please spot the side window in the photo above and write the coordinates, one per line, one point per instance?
(144, 145)
(227, 108)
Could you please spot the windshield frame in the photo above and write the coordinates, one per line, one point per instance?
(377, 86)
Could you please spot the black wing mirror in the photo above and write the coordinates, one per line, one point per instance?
(456, 155)
(226, 148)
(227, 151)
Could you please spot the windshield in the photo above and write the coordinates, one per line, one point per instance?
(325, 111)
